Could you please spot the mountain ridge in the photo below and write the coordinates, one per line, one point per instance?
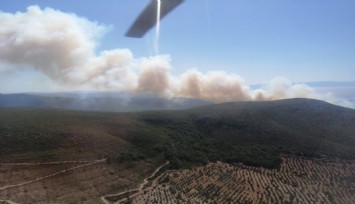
(254, 133)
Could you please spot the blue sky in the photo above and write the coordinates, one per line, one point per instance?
(303, 40)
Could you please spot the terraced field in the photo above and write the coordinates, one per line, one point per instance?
(299, 180)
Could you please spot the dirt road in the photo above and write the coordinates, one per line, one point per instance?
(46, 163)
(51, 175)
(7, 201)
(139, 189)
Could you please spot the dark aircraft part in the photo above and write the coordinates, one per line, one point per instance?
(148, 18)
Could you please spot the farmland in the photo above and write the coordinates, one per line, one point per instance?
(299, 180)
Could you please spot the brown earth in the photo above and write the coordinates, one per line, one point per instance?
(68, 182)
(299, 180)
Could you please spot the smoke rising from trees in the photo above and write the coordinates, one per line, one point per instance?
(62, 46)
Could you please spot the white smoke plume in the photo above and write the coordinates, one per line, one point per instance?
(62, 47)
(217, 86)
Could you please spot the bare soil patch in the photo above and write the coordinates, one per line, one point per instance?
(72, 182)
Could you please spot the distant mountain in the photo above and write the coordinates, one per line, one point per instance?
(331, 84)
(344, 90)
(318, 84)
(254, 133)
(98, 101)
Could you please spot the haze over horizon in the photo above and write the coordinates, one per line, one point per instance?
(56, 46)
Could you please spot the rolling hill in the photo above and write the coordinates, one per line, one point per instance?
(97, 101)
(254, 133)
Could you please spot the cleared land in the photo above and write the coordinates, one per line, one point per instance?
(298, 180)
(67, 182)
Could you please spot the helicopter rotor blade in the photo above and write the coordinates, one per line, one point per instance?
(147, 19)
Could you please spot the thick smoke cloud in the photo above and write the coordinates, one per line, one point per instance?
(154, 75)
(62, 46)
(47, 40)
(217, 86)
